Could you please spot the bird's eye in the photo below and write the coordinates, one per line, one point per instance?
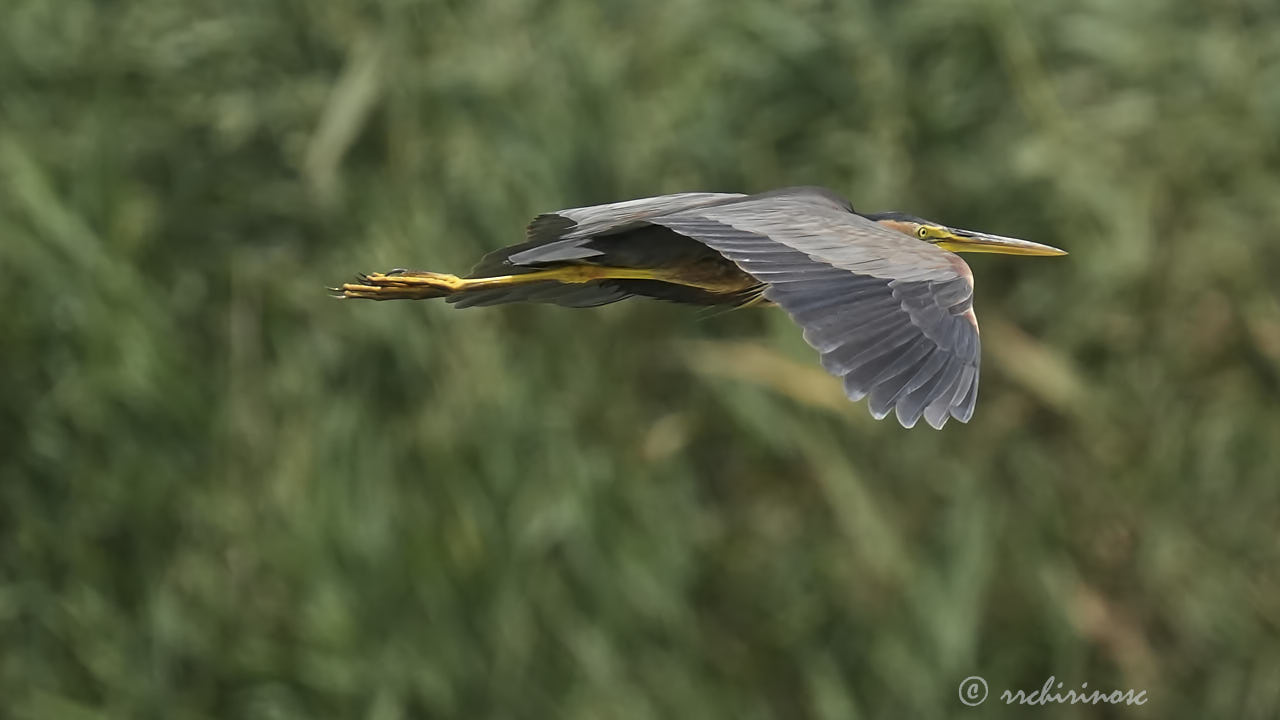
(922, 232)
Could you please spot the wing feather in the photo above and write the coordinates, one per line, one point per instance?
(890, 315)
(595, 220)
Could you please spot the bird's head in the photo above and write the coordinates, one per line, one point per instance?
(957, 240)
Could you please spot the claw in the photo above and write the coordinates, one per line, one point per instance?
(396, 271)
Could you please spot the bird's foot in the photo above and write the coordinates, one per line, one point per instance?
(400, 284)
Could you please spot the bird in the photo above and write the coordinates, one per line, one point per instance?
(881, 296)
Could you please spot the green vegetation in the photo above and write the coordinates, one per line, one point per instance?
(223, 494)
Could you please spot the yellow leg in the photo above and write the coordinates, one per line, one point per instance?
(409, 285)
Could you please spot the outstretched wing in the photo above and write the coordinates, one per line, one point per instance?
(890, 315)
(612, 217)
(564, 234)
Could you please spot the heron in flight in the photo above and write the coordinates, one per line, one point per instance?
(881, 296)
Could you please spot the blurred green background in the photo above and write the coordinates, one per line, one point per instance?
(224, 494)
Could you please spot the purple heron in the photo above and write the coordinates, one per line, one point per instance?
(881, 296)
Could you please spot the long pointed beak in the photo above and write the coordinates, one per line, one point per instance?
(969, 241)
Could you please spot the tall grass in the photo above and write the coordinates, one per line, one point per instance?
(223, 494)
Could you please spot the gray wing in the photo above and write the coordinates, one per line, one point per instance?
(561, 235)
(890, 315)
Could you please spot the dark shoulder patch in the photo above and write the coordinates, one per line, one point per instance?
(547, 227)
